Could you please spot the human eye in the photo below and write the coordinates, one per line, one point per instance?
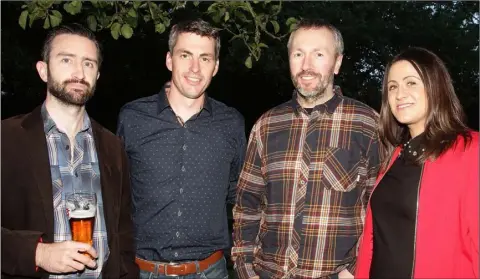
(65, 60)
(184, 55)
(89, 64)
(205, 59)
(392, 87)
(411, 83)
(297, 54)
(319, 54)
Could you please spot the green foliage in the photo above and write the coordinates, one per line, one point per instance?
(246, 21)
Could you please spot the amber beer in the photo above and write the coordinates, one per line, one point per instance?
(81, 213)
(81, 226)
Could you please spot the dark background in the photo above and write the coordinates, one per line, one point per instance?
(373, 32)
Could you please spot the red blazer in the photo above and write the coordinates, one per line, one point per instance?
(27, 199)
(447, 241)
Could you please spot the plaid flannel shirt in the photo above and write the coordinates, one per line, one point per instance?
(303, 190)
(68, 176)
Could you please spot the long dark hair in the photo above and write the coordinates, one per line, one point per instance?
(445, 117)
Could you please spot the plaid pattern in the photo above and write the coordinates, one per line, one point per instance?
(80, 173)
(303, 190)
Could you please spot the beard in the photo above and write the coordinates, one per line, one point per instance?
(74, 97)
(318, 91)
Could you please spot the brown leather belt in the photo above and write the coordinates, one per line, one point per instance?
(178, 269)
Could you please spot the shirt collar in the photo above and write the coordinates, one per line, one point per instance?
(163, 102)
(49, 126)
(329, 106)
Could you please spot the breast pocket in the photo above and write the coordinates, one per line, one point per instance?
(342, 169)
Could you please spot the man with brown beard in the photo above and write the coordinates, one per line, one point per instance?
(309, 169)
(56, 150)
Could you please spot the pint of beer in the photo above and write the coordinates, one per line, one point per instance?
(81, 208)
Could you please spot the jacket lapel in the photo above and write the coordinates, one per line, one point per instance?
(108, 194)
(36, 148)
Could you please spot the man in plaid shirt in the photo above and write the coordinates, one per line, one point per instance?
(309, 169)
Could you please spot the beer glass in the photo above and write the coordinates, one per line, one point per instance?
(81, 208)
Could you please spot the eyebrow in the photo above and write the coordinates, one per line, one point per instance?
(406, 78)
(74, 56)
(201, 55)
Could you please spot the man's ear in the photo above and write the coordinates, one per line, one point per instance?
(217, 64)
(42, 69)
(168, 61)
(338, 63)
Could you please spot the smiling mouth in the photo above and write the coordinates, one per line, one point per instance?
(192, 79)
(402, 106)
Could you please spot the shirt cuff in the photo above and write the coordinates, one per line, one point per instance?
(40, 240)
(352, 266)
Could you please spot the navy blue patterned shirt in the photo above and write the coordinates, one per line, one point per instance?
(182, 176)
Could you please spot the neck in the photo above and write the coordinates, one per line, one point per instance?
(415, 130)
(68, 118)
(183, 106)
(316, 100)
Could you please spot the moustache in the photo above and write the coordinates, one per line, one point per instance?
(308, 73)
(81, 81)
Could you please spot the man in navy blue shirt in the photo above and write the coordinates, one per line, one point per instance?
(186, 151)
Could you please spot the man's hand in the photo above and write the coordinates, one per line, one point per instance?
(65, 257)
(345, 274)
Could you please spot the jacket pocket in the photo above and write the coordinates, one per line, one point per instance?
(342, 170)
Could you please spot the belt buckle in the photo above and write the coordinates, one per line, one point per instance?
(166, 269)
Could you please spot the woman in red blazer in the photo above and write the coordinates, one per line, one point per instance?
(422, 220)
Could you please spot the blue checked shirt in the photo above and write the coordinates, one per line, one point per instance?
(80, 173)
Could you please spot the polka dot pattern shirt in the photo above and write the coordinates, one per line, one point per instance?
(182, 176)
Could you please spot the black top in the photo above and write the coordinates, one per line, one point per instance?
(182, 176)
(394, 211)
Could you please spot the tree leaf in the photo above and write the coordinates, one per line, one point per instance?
(115, 30)
(54, 20)
(196, 3)
(22, 20)
(260, 45)
(248, 62)
(159, 28)
(127, 31)
(290, 21)
(227, 16)
(276, 26)
(132, 13)
(46, 23)
(92, 22)
(57, 14)
(293, 26)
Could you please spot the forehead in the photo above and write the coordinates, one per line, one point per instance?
(74, 44)
(313, 38)
(195, 43)
(401, 69)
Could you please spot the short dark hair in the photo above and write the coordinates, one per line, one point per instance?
(197, 26)
(445, 116)
(70, 29)
(318, 24)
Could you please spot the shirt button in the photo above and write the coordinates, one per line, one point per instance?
(185, 125)
(179, 213)
(302, 182)
(176, 254)
(181, 190)
(178, 234)
(184, 147)
(183, 168)
(76, 174)
(67, 147)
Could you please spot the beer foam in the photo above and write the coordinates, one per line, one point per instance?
(82, 214)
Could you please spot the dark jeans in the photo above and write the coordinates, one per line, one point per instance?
(216, 271)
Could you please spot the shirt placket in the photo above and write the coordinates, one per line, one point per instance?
(300, 195)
